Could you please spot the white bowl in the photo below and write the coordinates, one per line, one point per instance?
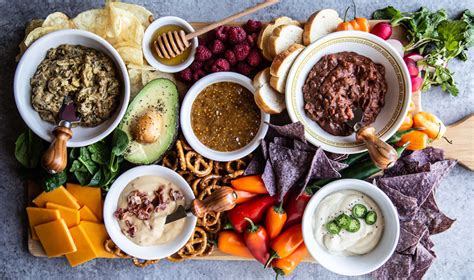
(361, 264)
(82, 136)
(185, 117)
(397, 99)
(113, 227)
(148, 37)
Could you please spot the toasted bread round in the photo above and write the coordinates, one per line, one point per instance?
(262, 78)
(282, 62)
(319, 24)
(267, 31)
(269, 101)
(283, 37)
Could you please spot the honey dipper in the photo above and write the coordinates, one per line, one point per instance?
(173, 43)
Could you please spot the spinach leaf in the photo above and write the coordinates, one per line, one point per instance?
(99, 152)
(83, 177)
(119, 142)
(28, 149)
(96, 179)
(86, 160)
(51, 182)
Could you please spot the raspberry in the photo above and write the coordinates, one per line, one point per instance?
(217, 47)
(198, 74)
(208, 65)
(254, 58)
(196, 65)
(243, 68)
(186, 75)
(230, 56)
(202, 41)
(252, 39)
(236, 34)
(220, 65)
(202, 53)
(241, 51)
(221, 32)
(253, 25)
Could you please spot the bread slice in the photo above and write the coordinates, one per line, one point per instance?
(282, 63)
(267, 30)
(266, 98)
(283, 37)
(319, 24)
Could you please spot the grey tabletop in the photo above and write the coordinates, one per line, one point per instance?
(455, 248)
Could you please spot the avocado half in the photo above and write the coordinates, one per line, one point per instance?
(162, 96)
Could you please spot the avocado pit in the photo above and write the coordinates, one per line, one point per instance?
(147, 128)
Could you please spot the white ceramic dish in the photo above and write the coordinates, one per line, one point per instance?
(148, 37)
(185, 117)
(397, 99)
(27, 66)
(112, 225)
(353, 265)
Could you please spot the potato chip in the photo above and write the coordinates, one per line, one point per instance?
(58, 19)
(95, 21)
(144, 67)
(141, 13)
(131, 55)
(39, 32)
(135, 82)
(35, 23)
(124, 26)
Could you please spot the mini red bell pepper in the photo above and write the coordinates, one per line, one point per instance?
(296, 205)
(253, 209)
(257, 241)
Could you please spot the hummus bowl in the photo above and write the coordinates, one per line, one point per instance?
(34, 55)
(354, 264)
(151, 252)
(397, 97)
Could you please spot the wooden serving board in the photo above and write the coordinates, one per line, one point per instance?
(462, 149)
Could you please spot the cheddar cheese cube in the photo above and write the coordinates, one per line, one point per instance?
(38, 216)
(55, 238)
(69, 215)
(88, 196)
(87, 215)
(85, 249)
(59, 196)
(97, 235)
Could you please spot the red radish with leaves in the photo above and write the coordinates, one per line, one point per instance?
(382, 29)
(412, 67)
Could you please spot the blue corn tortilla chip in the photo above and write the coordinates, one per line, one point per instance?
(298, 145)
(406, 206)
(322, 167)
(292, 131)
(269, 180)
(432, 217)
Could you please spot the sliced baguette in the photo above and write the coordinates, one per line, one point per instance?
(266, 32)
(278, 84)
(266, 98)
(282, 63)
(283, 37)
(319, 24)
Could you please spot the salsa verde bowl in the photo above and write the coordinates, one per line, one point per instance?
(112, 225)
(397, 98)
(185, 118)
(356, 264)
(34, 55)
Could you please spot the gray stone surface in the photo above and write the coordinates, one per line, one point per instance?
(455, 248)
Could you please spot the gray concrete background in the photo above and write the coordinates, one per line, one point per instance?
(455, 248)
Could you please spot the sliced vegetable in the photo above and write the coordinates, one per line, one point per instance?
(232, 243)
(257, 241)
(382, 30)
(359, 211)
(284, 266)
(354, 225)
(253, 209)
(286, 243)
(371, 218)
(332, 227)
(275, 220)
(430, 124)
(343, 220)
(252, 184)
(417, 140)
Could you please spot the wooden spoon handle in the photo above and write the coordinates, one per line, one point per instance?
(381, 153)
(55, 158)
(220, 200)
(234, 17)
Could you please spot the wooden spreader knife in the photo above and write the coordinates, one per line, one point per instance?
(382, 154)
(220, 200)
(54, 160)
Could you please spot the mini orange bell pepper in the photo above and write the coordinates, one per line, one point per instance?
(430, 124)
(407, 122)
(275, 220)
(252, 184)
(243, 196)
(285, 243)
(360, 24)
(232, 243)
(285, 266)
(363, 24)
(418, 140)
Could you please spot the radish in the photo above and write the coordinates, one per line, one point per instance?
(397, 45)
(414, 56)
(416, 83)
(412, 67)
(382, 29)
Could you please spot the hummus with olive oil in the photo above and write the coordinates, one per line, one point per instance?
(142, 209)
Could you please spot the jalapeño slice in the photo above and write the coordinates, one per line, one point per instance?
(359, 211)
(332, 227)
(343, 220)
(371, 218)
(354, 225)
